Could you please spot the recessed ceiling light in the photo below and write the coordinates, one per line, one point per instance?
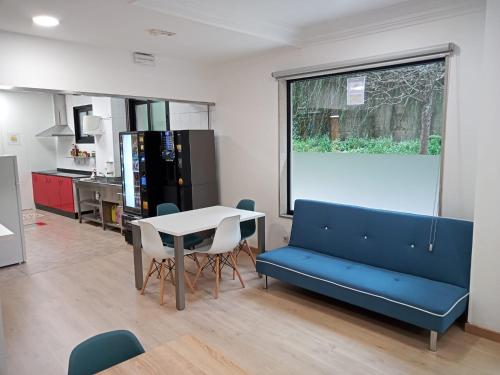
(45, 21)
(160, 32)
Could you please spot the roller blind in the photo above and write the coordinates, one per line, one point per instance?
(405, 57)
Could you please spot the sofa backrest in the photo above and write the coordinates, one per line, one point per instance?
(392, 240)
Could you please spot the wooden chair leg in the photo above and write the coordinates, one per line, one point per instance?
(217, 275)
(199, 272)
(236, 252)
(162, 280)
(197, 263)
(148, 275)
(171, 269)
(188, 282)
(235, 268)
(249, 252)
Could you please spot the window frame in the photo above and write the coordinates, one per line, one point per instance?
(131, 119)
(80, 138)
(285, 122)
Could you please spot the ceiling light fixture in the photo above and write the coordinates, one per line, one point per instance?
(45, 21)
(160, 32)
(5, 87)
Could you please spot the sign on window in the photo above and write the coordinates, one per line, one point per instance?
(356, 90)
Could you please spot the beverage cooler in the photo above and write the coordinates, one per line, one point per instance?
(166, 166)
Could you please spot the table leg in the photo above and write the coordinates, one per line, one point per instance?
(136, 240)
(179, 272)
(261, 235)
(78, 205)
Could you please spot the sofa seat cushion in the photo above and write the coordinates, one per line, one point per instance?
(425, 296)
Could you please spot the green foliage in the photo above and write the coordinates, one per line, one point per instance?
(313, 144)
(434, 147)
(366, 145)
(393, 108)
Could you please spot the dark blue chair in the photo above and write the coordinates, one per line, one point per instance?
(247, 229)
(103, 351)
(190, 241)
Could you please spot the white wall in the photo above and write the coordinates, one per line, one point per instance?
(106, 145)
(65, 144)
(119, 121)
(101, 106)
(27, 114)
(247, 113)
(43, 63)
(484, 309)
(49, 64)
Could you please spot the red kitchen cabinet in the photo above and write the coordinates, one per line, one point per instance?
(35, 179)
(66, 194)
(53, 191)
(40, 193)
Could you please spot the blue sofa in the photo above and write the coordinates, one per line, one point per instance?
(410, 267)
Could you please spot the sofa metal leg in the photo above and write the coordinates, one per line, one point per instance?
(433, 341)
(265, 282)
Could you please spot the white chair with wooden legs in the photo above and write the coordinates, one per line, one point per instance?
(162, 258)
(221, 252)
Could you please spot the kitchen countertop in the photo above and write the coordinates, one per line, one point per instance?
(65, 173)
(102, 180)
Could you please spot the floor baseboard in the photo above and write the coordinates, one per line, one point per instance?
(482, 332)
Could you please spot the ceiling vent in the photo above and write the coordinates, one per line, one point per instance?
(144, 58)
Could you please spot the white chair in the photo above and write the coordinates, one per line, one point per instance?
(162, 258)
(220, 252)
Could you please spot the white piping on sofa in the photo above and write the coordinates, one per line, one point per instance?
(368, 293)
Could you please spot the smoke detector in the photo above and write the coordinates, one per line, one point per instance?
(160, 32)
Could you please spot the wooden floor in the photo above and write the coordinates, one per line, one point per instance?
(78, 282)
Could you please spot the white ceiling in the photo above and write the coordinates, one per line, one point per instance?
(213, 30)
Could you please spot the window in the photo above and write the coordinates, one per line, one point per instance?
(167, 115)
(368, 137)
(78, 114)
(148, 115)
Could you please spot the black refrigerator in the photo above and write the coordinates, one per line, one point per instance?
(166, 166)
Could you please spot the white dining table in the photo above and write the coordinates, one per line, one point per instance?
(183, 223)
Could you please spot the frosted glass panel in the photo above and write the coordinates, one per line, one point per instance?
(407, 183)
(141, 117)
(159, 116)
(187, 116)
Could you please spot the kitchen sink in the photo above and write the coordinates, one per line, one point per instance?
(104, 180)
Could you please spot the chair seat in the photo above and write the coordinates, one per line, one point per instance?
(427, 296)
(190, 240)
(246, 232)
(170, 254)
(203, 249)
(103, 351)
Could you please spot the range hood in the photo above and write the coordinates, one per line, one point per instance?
(61, 128)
